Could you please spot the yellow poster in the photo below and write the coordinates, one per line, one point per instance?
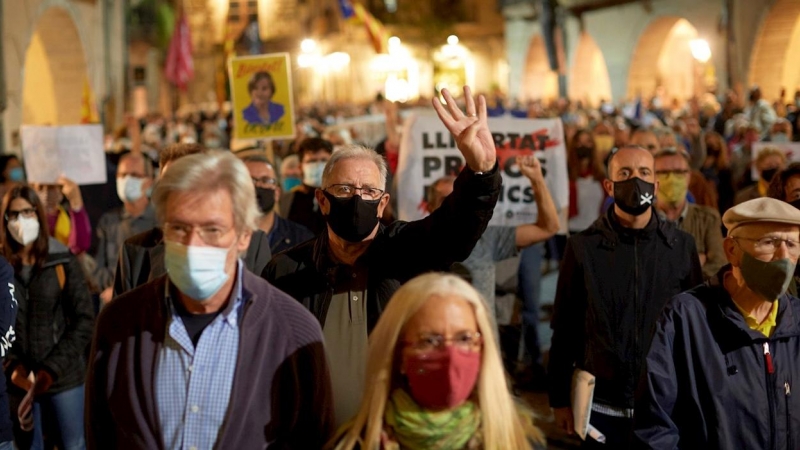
(261, 94)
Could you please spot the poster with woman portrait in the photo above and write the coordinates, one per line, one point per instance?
(261, 94)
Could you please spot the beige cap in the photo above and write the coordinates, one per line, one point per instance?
(763, 209)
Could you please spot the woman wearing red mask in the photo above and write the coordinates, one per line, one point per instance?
(435, 378)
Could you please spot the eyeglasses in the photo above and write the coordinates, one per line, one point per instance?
(676, 173)
(348, 190)
(465, 340)
(179, 232)
(767, 246)
(265, 182)
(14, 215)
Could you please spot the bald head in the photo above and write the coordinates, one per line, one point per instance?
(629, 162)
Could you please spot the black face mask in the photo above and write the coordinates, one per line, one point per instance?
(266, 199)
(767, 174)
(634, 196)
(583, 152)
(352, 219)
(795, 203)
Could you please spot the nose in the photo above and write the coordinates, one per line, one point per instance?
(194, 238)
(782, 252)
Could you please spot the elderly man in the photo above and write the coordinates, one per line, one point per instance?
(211, 355)
(725, 355)
(134, 181)
(300, 204)
(702, 222)
(141, 257)
(347, 275)
(614, 279)
(283, 234)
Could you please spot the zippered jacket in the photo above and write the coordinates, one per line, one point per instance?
(612, 286)
(714, 383)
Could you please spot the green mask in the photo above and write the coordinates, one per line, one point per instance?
(767, 279)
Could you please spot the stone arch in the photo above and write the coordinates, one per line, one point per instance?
(538, 82)
(773, 64)
(54, 69)
(662, 60)
(589, 80)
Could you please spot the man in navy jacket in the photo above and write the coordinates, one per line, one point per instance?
(725, 354)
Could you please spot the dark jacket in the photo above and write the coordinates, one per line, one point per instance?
(141, 258)
(300, 206)
(612, 286)
(285, 234)
(708, 384)
(54, 325)
(8, 317)
(399, 252)
(280, 397)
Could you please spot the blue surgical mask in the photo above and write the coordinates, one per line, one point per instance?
(129, 189)
(290, 183)
(312, 173)
(16, 174)
(198, 272)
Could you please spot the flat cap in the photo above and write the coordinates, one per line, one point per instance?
(763, 209)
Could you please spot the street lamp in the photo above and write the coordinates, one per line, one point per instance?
(700, 50)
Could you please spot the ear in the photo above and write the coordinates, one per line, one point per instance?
(324, 204)
(608, 185)
(732, 251)
(657, 184)
(382, 204)
(244, 241)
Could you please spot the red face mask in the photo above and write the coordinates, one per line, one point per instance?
(442, 379)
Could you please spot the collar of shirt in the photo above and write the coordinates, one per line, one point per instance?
(767, 326)
(230, 314)
(681, 218)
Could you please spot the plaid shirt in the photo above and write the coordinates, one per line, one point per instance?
(193, 385)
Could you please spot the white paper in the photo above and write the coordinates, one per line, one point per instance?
(75, 151)
(583, 384)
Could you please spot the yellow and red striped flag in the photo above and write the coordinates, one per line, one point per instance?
(88, 107)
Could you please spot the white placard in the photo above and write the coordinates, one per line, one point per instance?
(428, 153)
(75, 151)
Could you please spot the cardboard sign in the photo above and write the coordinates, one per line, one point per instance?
(428, 152)
(75, 151)
(261, 95)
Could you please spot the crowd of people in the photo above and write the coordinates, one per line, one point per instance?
(207, 298)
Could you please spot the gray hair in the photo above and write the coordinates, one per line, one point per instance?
(354, 151)
(210, 171)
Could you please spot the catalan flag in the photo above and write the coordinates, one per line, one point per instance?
(377, 33)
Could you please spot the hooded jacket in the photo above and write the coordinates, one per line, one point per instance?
(612, 285)
(54, 324)
(709, 382)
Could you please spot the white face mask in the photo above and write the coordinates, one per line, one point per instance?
(198, 272)
(24, 229)
(129, 189)
(312, 173)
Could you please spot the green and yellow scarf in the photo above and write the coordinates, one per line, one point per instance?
(415, 428)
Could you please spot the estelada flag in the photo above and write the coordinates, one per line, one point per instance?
(378, 36)
(179, 68)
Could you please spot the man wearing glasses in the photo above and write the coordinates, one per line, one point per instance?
(346, 275)
(702, 222)
(282, 233)
(725, 355)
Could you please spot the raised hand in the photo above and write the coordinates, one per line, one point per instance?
(531, 167)
(470, 130)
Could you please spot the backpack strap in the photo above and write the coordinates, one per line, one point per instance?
(62, 276)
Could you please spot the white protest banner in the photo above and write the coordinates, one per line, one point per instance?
(75, 151)
(428, 152)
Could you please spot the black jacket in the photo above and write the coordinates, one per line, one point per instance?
(141, 258)
(708, 383)
(54, 325)
(399, 252)
(285, 234)
(8, 317)
(612, 286)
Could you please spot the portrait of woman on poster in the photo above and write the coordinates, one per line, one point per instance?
(262, 110)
